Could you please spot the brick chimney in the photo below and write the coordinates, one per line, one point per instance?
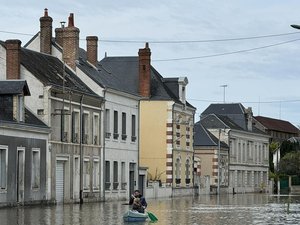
(46, 33)
(144, 71)
(59, 34)
(92, 49)
(13, 59)
(71, 43)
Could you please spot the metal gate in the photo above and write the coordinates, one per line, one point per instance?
(59, 181)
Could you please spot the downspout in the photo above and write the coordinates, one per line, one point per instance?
(138, 157)
(103, 144)
(81, 154)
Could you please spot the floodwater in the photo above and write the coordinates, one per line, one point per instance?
(239, 209)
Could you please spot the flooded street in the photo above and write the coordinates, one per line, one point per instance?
(227, 209)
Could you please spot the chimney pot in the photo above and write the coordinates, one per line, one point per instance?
(45, 12)
(71, 20)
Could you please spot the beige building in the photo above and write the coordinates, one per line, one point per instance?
(166, 126)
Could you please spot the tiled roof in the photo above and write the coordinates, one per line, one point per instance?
(49, 70)
(277, 125)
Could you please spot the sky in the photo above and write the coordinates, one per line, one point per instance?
(232, 51)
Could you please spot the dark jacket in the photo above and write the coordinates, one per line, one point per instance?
(142, 200)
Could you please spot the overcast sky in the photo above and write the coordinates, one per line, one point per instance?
(265, 78)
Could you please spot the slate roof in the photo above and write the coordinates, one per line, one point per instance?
(234, 111)
(213, 121)
(14, 87)
(202, 137)
(277, 125)
(121, 73)
(49, 70)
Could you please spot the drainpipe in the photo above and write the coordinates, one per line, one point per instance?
(103, 144)
(81, 154)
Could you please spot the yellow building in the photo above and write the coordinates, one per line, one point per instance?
(166, 126)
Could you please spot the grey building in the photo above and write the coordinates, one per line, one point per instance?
(23, 148)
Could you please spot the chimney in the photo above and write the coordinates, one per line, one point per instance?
(59, 34)
(92, 49)
(13, 59)
(46, 33)
(249, 118)
(144, 71)
(70, 43)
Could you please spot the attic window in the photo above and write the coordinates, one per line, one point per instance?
(40, 112)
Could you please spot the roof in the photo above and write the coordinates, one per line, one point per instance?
(213, 121)
(14, 87)
(202, 137)
(49, 70)
(277, 125)
(122, 74)
(234, 111)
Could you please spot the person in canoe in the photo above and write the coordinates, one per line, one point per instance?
(141, 203)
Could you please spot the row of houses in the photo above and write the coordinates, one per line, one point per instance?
(73, 128)
(76, 129)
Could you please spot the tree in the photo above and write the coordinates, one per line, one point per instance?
(290, 163)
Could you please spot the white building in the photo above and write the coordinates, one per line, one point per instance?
(248, 147)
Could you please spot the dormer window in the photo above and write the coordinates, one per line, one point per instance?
(183, 81)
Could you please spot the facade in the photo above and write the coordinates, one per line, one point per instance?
(119, 111)
(23, 148)
(166, 127)
(73, 112)
(212, 158)
(248, 146)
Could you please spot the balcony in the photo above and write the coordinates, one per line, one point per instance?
(133, 138)
(116, 136)
(115, 185)
(124, 137)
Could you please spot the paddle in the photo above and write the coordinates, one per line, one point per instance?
(152, 217)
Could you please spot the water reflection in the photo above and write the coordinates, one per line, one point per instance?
(228, 209)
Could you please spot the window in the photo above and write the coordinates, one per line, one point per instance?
(65, 125)
(75, 127)
(177, 171)
(123, 178)
(116, 134)
(107, 175)
(187, 172)
(35, 171)
(86, 174)
(124, 135)
(96, 174)
(116, 183)
(133, 128)
(96, 129)
(85, 128)
(3, 168)
(107, 123)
